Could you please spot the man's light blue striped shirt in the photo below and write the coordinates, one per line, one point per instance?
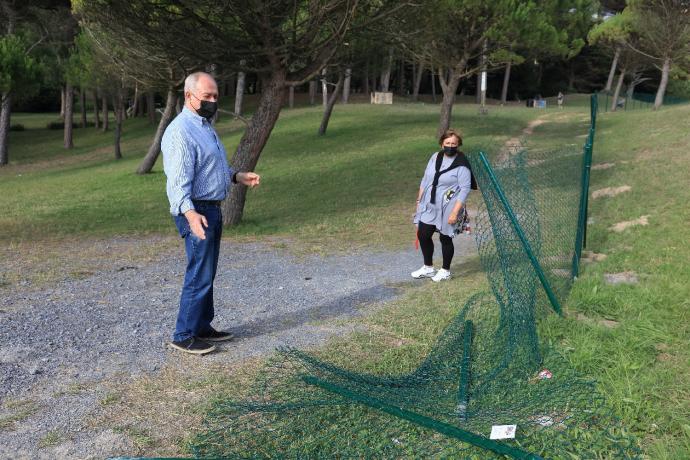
(194, 161)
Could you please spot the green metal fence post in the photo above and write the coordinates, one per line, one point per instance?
(581, 236)
(588, 169)
(582, 213)
(523, 239)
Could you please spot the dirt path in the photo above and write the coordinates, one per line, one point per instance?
(514, 144)
(67, 347)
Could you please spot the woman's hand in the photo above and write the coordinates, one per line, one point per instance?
(453, 217)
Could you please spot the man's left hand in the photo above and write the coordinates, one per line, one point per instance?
(249, 179)
(452, 219)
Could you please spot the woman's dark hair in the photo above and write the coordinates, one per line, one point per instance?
(450, 133)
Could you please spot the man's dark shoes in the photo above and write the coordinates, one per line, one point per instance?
(193, 345)
(216, 336)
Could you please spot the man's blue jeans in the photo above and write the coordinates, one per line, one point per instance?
(196, 302)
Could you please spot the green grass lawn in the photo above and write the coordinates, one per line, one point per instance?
(643, 365)
(365, 170)
(356, 186)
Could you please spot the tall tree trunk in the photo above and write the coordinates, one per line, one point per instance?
(612, 72)
(82, 106)
(62, 102)
(401, 78)
(291, 96)
(324, 89)
(367, 90)
(346, 85)
(386, 72)
(433, 86)
(119, 109)
(312, 92)
(483, 77)
(419, 71)
(571, 78)
(96, 115)
(239, 92)
(634, 80)
(506, 81)
(479, 88)
(616, 94)
(5, 113)
(6, 103)
(253, 141)
(449, 88)
(329, 107)
(659, 100)
(151, 107)
(69, 109)
(140, 105)
(104, 107)
(135, 101)
(150, 159)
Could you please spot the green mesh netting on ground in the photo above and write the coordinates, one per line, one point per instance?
(484, 369)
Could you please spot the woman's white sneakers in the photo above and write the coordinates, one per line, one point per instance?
(430, 272)
(441, 275)
(424, 272)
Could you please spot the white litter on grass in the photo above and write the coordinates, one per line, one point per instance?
(545, 374)
(503, 432)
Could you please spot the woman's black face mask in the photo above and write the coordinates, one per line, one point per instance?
(450, 151)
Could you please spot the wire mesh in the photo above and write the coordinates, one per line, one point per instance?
(487, 368)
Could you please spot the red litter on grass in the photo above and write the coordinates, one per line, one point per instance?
(545, 374)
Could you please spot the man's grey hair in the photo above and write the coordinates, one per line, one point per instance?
(192, 79)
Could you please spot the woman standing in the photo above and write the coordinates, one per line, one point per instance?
(442, 194)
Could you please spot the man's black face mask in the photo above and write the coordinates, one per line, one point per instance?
(207, 109)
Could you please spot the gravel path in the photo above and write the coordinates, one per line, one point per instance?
(58, 340)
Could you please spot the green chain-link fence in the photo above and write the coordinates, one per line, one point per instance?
(488, 368)
(638, 101)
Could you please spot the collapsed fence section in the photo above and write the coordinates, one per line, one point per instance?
(487, 369)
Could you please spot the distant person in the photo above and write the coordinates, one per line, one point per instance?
(442, 195)
(560, 99)
(198, 178)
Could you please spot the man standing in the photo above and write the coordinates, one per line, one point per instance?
(198, 179)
